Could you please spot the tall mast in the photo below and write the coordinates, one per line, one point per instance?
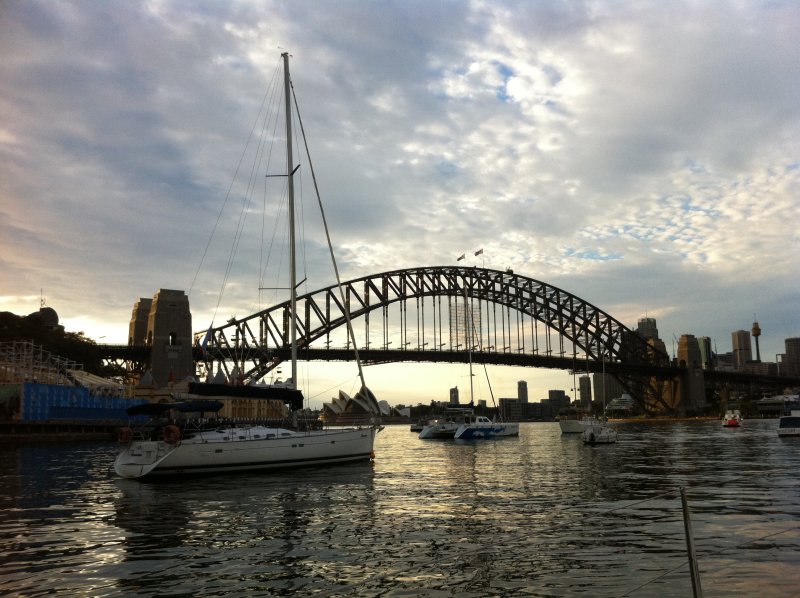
(292, 256)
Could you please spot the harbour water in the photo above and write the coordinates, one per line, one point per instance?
(538, 515)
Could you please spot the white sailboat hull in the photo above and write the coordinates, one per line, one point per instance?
(577, 426)
(484, 430)
(439, 430)
(237, 450)
(599, 434)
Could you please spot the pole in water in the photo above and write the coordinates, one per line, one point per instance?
(687, 525)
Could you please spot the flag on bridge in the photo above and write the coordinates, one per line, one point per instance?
(461, 257)
(479, 252)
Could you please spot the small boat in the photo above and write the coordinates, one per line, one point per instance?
(481, 427)
(179, 439)
(789, 424)
(600, 433)
(732, 418)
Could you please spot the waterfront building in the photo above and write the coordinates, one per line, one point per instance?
(742, 350)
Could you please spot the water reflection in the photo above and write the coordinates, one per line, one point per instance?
(541, 514)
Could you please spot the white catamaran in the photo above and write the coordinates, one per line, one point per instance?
(180, 439)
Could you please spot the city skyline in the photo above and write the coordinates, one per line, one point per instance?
(643, 157)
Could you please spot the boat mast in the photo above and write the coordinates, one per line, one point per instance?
(467, 327)
(292, 256)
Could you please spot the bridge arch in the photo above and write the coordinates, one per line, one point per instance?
(258, 343)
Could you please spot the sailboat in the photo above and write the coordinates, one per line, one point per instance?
(479, 426)
(181, 438)
(600, 432)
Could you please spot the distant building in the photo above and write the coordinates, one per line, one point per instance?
(606, 387)
(646, 328)
(742, 349)
(585, 386)
(522, 391)
(791, 359)
(454, 395)
(706, 352)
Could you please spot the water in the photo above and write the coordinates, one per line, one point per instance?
(538, 515)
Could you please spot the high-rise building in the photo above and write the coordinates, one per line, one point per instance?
(585, 386)
(454, 395)
(522, 391)
(646, 328)
(791, 359)
(689, 351)
(742, 351)
(706, 353)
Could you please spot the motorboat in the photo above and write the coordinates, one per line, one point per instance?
(789, 424)
(481, 427)
(600, 433)
(180, 438)
(732, 418)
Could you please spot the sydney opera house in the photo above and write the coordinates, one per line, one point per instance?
(347, 410)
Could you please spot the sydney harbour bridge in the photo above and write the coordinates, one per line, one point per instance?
(450, 314)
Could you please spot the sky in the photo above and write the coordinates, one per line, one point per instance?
(644, 156)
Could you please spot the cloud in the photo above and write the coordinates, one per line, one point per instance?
(643, 156)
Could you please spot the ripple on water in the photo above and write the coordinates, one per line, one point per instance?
(538, 515)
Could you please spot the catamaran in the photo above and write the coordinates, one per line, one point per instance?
(186, 437)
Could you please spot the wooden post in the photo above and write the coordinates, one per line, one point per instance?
(687, 524)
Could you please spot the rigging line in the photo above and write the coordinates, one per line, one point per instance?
(330, 245)
(764, 537)
(261, 266)
(228, 194)
(656, 578)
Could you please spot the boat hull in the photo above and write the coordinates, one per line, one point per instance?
(439, 431)
(789, 425)
(486, 431)
(576, 426)
(599, 434)
(218, 453)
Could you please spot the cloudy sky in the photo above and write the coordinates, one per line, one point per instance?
(644, 156)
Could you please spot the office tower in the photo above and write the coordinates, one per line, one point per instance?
(742, 352)
(454, 395)
(522, 391)
(585, 386)
(791, 360)
(706, 353)
(646, 328)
